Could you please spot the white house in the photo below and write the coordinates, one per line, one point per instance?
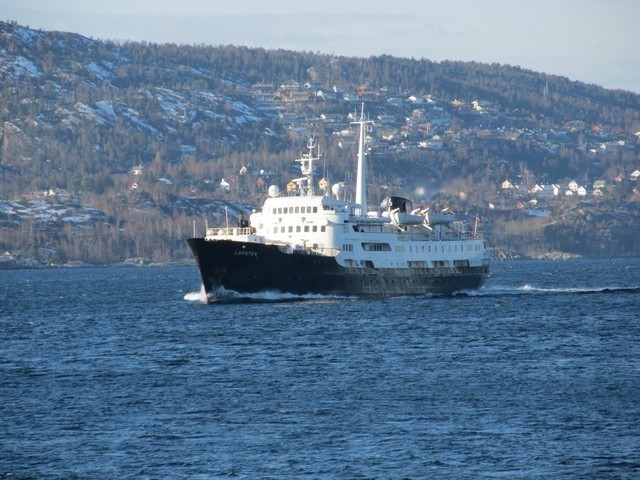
(573, 186)
(546, 190)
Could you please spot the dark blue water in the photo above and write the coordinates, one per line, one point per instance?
(121, 373)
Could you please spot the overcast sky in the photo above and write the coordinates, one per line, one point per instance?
(594, 41)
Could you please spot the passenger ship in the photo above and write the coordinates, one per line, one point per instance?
(308, 243)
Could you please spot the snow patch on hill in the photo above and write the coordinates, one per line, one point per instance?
(46, 213)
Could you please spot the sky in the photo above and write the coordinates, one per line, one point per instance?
(593, 41)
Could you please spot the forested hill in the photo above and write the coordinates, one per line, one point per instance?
(155, 136)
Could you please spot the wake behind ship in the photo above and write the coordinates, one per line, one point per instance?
(319, 244)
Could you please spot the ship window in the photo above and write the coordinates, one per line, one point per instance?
(306, 228)
(417, 264)
(298, 228)
(347, 247)
(314, 228)
(376, 247)
(290, 229)
(322, 228)
(297, 210)
(279, 209)
(315, 209)
(281, 229)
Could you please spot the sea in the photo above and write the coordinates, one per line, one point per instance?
(123, 372)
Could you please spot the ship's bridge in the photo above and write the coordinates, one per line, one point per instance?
(300, 220)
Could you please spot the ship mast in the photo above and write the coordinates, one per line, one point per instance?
(305, 184)
(361, 175)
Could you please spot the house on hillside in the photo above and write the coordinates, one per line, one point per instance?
(507, 189)
(263, 89)
(546, 191)
(483, 106)
(580, 191)
(60, 193)
(598, 188)
(507, 185)
(573, 186)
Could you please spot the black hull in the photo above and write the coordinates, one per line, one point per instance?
(254, 268)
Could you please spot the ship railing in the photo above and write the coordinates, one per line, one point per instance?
(462, 235)
(463, 231)
(444, 234)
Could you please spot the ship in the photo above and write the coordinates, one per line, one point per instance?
(313, 240)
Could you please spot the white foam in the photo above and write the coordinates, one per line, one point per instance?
(269, 296)
(196, 296)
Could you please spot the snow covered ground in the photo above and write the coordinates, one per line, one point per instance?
(14, 212)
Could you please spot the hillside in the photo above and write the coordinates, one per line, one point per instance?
(137, 144)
